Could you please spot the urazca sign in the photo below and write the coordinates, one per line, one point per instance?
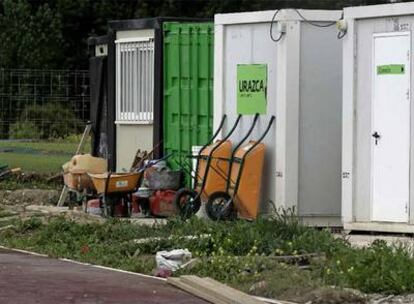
(251, 88)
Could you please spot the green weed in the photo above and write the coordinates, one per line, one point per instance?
(379, 268)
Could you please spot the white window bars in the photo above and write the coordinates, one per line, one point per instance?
(135, 80)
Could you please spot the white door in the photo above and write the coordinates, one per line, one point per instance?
(390, 134)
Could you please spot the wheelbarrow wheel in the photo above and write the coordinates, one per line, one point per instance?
(187, 202)
(219, 206)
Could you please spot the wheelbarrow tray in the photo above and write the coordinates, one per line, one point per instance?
(215, 179)
(118, 182)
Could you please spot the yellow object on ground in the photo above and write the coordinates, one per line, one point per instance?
(75, 171)
(86, 163)
(217, 173)
(250, 181)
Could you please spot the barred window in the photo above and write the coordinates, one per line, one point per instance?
(135, 80)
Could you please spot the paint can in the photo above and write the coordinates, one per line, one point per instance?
(94, 207)
(143, 192)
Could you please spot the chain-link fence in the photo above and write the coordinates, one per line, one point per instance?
(41, 104)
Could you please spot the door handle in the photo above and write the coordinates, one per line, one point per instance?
(377, 136)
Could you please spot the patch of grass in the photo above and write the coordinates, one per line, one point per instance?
(102, 244)
(34, 162)
(239, 253)
(40, 156)
(237, 238)
(56, 146)
(379, 268)
(112, 244)
(29, 181)
(257, 275)
(280, 235)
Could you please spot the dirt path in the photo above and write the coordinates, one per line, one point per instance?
(28, 279)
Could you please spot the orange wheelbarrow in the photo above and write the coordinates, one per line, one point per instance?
(210, 174)
(116, 187)
(242, 193)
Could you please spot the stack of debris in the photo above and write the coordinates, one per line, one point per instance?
(5, 171)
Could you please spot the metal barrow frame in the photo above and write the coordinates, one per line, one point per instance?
(221, 205)
(188, 201)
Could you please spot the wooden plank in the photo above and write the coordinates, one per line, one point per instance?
(63, 195)
(221, 291)
(273, 301)
(84, 136)
(194, 291)
(210, 290)
(206, 287)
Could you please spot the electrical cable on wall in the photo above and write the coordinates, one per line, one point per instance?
(341, 34)
(342, 27)
(314, 23)
(271, 28)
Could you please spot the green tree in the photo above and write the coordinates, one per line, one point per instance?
(53, 33)
(29, 38)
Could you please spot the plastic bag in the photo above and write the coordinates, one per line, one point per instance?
(172, 260)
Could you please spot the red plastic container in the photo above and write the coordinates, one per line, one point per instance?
(161, 203)
(135, 208)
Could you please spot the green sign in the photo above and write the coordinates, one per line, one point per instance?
(251, 88)
(388, 69)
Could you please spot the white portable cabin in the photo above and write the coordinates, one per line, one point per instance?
(377, 177)
(304, 85)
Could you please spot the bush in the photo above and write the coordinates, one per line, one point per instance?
(24, 130)
(49, 121)
(76, 138)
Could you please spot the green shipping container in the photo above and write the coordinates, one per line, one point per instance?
(188, 89)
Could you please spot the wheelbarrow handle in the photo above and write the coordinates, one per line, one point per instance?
(236, 187)
(272, 119)
(107, 183)
(256, 118)
(216, 133)
(233, 128)
(222, 140)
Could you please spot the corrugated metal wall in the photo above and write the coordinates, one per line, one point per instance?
(188, 88)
